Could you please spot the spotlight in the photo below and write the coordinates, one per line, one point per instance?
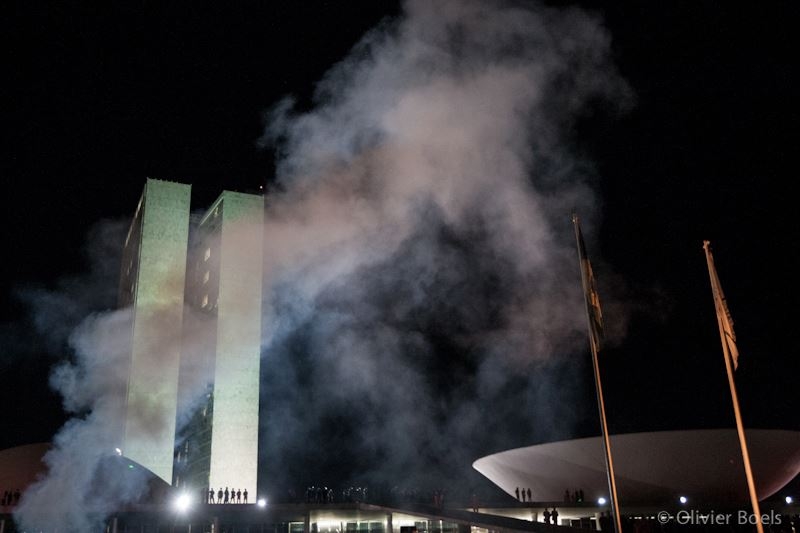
(262, 502)
(683, 499)
(601, 501)
(183, 502)
(119, 452)
(789, 500)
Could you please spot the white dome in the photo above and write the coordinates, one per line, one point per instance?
(656, 467)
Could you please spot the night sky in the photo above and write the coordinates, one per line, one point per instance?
(99, 97)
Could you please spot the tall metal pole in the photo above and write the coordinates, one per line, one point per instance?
(612, 485)
(751, 486)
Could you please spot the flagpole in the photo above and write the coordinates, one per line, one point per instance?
(751, 486)
(612, 485)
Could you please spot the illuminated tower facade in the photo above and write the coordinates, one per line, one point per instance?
(193, 285)
(152, 284)
(218, 445)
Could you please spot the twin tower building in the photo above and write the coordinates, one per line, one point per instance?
(193, 286)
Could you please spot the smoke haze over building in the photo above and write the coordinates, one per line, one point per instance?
(421, 294)
(419, 261)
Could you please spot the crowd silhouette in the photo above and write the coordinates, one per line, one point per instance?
(524, 495)
(380, 494)
(550, 517)
(316, 494)
(226, 496)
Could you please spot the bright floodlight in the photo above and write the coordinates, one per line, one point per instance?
(262, 502)
(789, 499)
(683, 499)
(183, 502)
(601, 501)
(119, 452)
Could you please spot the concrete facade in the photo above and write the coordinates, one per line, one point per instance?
(154, 262)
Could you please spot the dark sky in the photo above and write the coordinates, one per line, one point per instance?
(102, 97)
(98, 97)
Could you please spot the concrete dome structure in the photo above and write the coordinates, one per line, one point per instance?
(651, 468)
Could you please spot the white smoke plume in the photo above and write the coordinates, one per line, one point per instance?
(74, 317)
(421, 283)
(85, 479)
(93, 387)
(421, 264)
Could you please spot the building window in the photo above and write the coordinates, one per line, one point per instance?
(206, 276)
(207, 254)
(205, 300)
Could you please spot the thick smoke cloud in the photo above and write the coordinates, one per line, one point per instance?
(423, 298)
(72, 322)
(77, 325)
(422, 301)
(72, 496)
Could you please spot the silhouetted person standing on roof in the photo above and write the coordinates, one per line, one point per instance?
(546, 515)
(245, 495)
(219, 496)
(530, 499)
(239, 496)
(554, 516)
(227, 494)
(517, 493)
(210, 495)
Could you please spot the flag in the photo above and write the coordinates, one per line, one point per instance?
(589, 291)
(721, 307)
